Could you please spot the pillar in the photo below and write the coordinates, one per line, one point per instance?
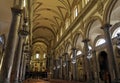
(54, 68)
(55, 73)
(21, 66)
(24, 67)
(8, 58)
(60, 58)
(87, 61)
(69, 69)
(95, 62)
(17, 59)
(48, 63)
(74, 50)
(111, 57)
(57, 68)
(66, 67)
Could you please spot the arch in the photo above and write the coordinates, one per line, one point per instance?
(93, 28)
(77, 41)
(114, 28)
(108, 10)
(76, 36)
(90, 22)
(97, 38)
(68, 47)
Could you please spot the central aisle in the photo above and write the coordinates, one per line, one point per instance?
(51, 81)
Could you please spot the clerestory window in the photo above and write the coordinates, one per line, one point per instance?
(100, 42)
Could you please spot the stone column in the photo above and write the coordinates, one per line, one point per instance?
(57, 69)
(74, 64)
(48, 63)
(69, 69)
(111, 58)
(8, 58)
(21, 67)
(55, 65)
(96, 71)
(66, 67)
(24, 68)
(54, 68)
(87, 62)
(60, 58)
(18, 54)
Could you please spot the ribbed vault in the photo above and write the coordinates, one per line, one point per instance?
(47, 18)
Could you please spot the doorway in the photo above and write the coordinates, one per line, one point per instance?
(103, 64)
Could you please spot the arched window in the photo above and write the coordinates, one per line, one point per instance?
(75, 12)
(66, 23)
(90, 48)
(79, 52)
(37, 55)
(2, 39)
(44, 55)
(57, 37)
(116, 31)
(71, 56)
(89, 52)
(61, 32)
(100, 42)
(24, 3)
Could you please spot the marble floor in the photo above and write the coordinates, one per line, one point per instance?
(50, 81)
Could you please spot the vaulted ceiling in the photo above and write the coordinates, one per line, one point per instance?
(47, 18)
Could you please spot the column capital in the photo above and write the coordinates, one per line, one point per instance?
(16, 10)
(85, 40)
(106, 26)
